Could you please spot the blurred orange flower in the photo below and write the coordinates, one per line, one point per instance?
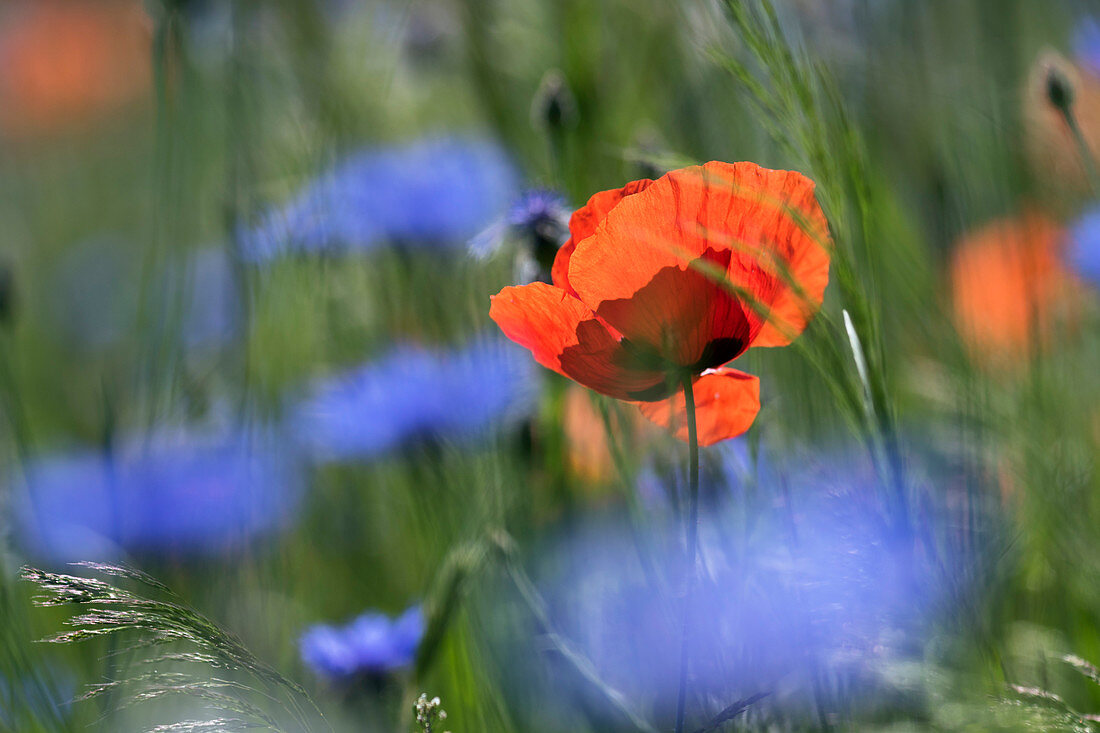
(586, 435)
(66, 61)
(588, 452)
(1009, 284)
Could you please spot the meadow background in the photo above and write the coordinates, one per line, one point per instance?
(245, 265)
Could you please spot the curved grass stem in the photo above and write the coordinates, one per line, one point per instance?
(692, 533)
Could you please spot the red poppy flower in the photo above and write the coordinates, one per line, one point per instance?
(675, 277)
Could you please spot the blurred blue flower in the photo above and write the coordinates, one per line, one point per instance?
(538, 208)
(725, 470)
(537, 212)
(1086, 44)
(328, 652)
(169, 492)
(1083, 252)
(209, 314)
(811, 578)
(372, 643)
(430, 192)
(412, 393)
(539, 222)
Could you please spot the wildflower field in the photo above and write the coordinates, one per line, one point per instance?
(527, 366)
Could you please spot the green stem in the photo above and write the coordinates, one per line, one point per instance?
(692, 531)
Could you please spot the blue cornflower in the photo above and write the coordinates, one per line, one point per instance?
(413, 392)
(539, 221)
(1083, 252)
(817, 579)
(539, 210)
(1086, 44)
(430, 192)
(170, 492)
(371, 644)
(325, 649)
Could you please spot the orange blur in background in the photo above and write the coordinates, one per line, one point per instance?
(66, 63)
(1009, 285)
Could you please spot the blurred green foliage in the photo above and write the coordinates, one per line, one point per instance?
(910, 116)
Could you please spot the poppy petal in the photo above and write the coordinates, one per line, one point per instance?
(684, 318)
(767, 220)
(804, 267)
(726, 403)
(564, 335)
(559, 271)
(583, 223)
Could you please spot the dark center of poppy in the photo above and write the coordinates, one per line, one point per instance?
(684, 319)
(718, 352)
(643, 358)
(655, 393)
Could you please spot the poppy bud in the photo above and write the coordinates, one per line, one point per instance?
(553, 107)
(1062, 121)
(1059, 89)
(426, 36)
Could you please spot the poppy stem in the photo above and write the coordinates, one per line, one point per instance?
(692, 532)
